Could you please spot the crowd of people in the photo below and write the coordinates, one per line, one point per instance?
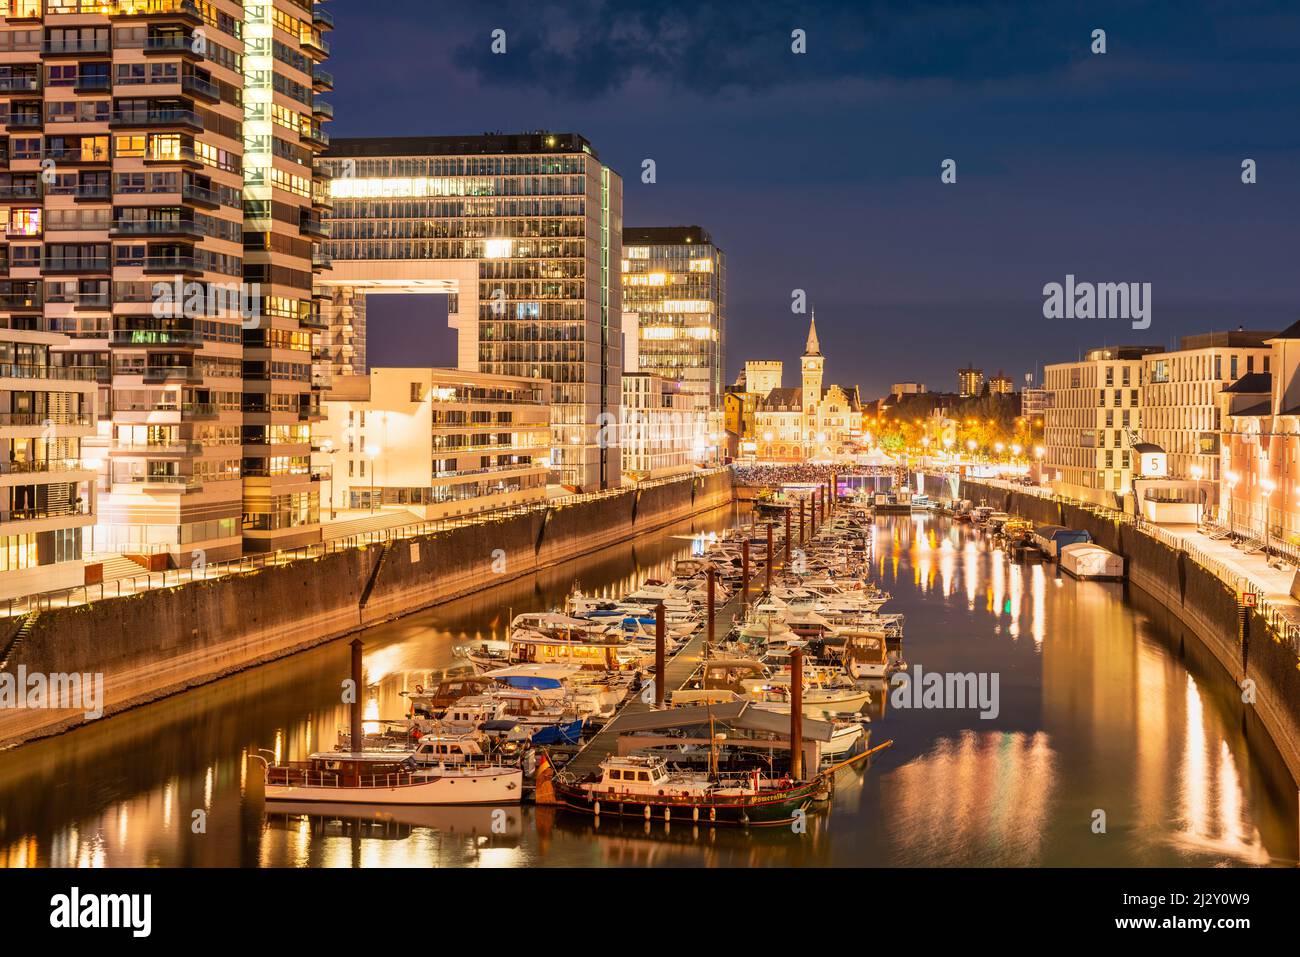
(772, 475)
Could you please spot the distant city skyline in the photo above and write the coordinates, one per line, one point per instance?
(821, 171)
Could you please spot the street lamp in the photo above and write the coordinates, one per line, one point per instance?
(1269, 488)
(1231, 479)
(372, 452)
(1197, 472)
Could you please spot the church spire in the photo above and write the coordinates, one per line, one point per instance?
(812, 348)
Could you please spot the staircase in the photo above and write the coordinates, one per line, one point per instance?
(119, 566)
(374, 574)
(21, 635)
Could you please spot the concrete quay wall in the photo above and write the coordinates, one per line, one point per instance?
(1239, 638)
(158, 643)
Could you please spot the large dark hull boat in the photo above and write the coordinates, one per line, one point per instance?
(744, 801)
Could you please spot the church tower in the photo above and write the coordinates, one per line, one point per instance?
(811, 366)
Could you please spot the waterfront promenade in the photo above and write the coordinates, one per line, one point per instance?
(351, 532)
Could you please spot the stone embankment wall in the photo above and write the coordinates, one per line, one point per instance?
(1240, 639)
(158, 643)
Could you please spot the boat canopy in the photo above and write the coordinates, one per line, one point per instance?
(740, 715)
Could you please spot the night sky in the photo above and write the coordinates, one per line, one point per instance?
(821, 171)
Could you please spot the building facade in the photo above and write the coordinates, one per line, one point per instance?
(763, 375)
(1001, 384)
(812, 421)
(162, 213)
(47, 488)
(1181, 400)
(524, 234)
(1259, 487)
(675, 280)
(970, 381)
(436, 442)
(657, 436)
(1094, 410)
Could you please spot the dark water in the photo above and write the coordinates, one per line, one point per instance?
(1105, 706)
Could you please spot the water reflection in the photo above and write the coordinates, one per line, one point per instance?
(1106, 706)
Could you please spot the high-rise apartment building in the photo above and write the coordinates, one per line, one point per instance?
(524, 233)
(47, 489)
(970, 381)
(162, 212)
(1094, 407)
(1001, 384)
(675, 279)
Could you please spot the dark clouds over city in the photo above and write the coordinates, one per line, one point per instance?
(821, 171)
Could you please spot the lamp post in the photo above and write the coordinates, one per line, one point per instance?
(1269, 488)
(1197, 472)
(372, 452)
(1231, 479)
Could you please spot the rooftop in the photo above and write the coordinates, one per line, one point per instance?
(483, 144)
(666, 236)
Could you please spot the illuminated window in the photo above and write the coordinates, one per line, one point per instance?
(25, 222)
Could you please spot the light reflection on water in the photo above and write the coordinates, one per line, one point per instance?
(1099, 715)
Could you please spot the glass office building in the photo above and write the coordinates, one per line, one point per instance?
(675, 280)
(522, 232)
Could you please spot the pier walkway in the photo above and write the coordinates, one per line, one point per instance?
(678, 670)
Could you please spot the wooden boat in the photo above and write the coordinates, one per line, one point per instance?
(642, 786)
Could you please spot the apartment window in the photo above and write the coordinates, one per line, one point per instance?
(417, 393)
(1232, 368)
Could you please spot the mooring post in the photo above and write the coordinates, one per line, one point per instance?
(710, 631)
(787, 536)
(769, 556)
(744, 576)
(796, 714)
(659, 655)
(358, 706)
(803, 515)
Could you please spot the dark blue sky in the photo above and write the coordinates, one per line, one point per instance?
(821, 171)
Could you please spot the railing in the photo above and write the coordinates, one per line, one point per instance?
(9, 370)
(44, 419)
(171, 578)
(14, 467)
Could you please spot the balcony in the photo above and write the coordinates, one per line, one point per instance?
(92, 84)
(201, 195)
(77, 156)
(166, 116)
(172, 264)
(160, 483)
(43, 420)
(41, 466)
(14, 370)
(36, 513)
(201, 87)
(322, 16)
(156, 337)
(322, 79)
(88, 191)
(20, 302)
(155, 8)
(20, 84)
(314, 226)
(171, 43)
(179, 227)
(314, 134)
(77, 47)
(71, 264)
(320, 108)
(314, 41)
(160, 375)
(22, 121)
